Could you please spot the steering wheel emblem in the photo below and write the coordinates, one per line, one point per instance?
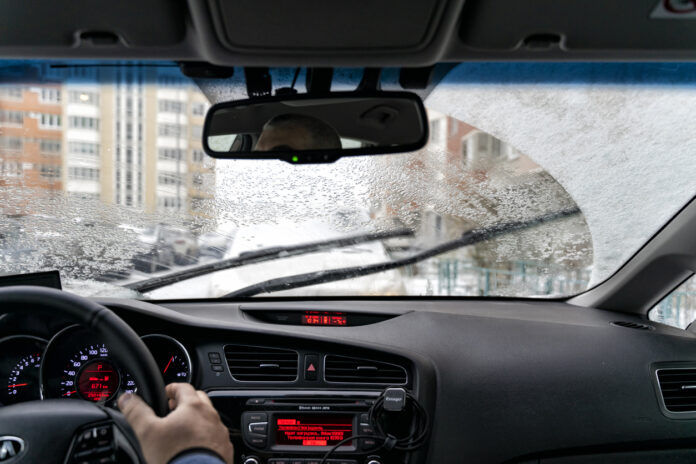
(10, 447)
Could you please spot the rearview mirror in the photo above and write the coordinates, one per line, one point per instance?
(306, 128)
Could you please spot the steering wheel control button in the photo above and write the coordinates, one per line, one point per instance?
(94, 445)
(311, 366)
(214, 358)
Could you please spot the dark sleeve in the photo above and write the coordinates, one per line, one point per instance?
(197, 456)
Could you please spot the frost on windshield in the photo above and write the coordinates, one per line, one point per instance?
(102, 177)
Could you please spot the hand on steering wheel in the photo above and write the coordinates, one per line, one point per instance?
(192, 423)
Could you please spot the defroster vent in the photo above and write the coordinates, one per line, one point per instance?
(678, 388)
(260, 364)
(355, 370)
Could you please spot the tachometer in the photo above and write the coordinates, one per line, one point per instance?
(91, 375)
(19, 368)
(171, 357)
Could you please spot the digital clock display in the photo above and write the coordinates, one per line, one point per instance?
(324, 318)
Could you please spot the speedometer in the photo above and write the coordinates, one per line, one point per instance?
(91, 375)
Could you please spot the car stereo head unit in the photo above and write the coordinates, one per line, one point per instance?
(307, 425)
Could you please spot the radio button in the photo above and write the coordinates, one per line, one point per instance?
(342, 461)
(259, 427)
(249, 417)
(368, 443)
(366, 430)
(279, 461)
(365, 419)
(259, 442)
(312, 461)
(297, 461)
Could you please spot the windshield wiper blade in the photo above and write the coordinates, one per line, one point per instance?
(469, 237)
(264, 254)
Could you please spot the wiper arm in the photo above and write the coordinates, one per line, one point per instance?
(468, 238)
(261, 255)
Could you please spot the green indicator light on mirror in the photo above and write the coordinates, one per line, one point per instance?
(295, 159)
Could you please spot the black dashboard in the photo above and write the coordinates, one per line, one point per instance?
(502, 381)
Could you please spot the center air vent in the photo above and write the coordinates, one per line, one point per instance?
(259, 364)
(678, 387)
(355, 370)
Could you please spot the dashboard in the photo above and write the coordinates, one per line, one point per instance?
(501, 381)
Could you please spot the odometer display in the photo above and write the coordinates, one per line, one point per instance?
(91, 375)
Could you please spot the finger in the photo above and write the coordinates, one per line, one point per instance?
(181, 393)
(138, 414)
(204, 397)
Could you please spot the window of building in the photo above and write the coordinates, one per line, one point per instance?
(435, 130)
(197, 131)
(82, 122)
(169, 202)
(83, 148)
(50, 120)
(12, 118)
(11, 143)
(49, 95)
(171, 130)
(168, 179)
(82, 173)
(11, 168)
(11, 92)
(677, 309)
(50, 147)
(77, 96)
(198, 109)
(197, 156)
(172, 106)
(465, 150)
(49, 171)
(170, 154)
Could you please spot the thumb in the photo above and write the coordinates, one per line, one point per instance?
(138, 414)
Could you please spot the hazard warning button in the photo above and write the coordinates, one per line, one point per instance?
(311, 366)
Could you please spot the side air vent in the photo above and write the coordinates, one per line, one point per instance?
(678, 388)
(633, 325)
(259, 364)
(355, 370)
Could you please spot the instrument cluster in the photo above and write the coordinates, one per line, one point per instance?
(74, 363)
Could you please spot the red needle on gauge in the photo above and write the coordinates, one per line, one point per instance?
(17, 385)
(167, 367)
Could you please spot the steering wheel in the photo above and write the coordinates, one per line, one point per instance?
(65, 430)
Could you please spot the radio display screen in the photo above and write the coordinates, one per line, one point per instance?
(313, 429)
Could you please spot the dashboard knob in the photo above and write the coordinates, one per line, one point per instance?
(251, 460)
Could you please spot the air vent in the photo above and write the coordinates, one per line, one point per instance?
(355, 370)
(259, 364)
(633, 325)
(678, 387)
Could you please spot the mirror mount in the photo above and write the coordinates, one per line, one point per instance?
(371, 80)
(319, 80)
(258, 82)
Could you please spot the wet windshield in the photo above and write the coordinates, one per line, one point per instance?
(102, 177)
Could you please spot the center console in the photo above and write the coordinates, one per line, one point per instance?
(300, 427)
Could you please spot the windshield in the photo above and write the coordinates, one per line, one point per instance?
(102, 177)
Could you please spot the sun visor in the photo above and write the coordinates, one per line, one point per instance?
(281, 25)
(579, 25)
(93, 22)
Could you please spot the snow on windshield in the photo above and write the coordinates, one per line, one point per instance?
(623, 149)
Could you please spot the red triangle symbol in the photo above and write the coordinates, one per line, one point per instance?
(311, 368)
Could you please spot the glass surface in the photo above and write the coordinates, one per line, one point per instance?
(677, 309)
(103, 178)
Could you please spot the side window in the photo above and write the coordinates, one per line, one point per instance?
(677, 309)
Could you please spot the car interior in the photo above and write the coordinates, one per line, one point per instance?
(388, 376)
